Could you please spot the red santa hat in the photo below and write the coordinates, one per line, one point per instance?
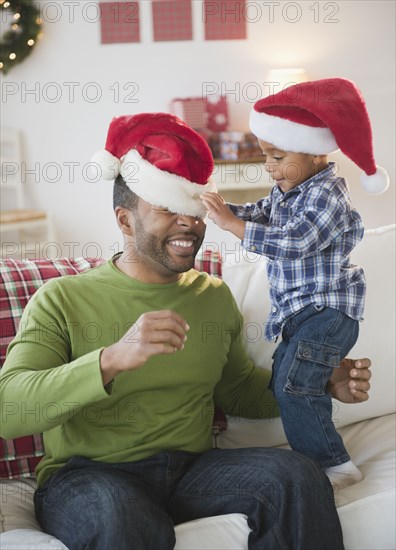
(319, 117)
(161, 159)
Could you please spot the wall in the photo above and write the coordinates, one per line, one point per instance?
(349, 39)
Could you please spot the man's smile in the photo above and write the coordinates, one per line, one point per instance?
(184, 245)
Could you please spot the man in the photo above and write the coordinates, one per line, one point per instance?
(129, 454)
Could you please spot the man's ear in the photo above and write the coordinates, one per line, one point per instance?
(125, 220)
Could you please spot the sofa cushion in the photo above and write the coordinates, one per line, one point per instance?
(366, 509)
(19, 280)
(246, 276)
(27, 539)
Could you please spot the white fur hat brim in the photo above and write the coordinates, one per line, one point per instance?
(292, 136)
(163, 189)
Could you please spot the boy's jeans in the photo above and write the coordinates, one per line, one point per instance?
(287, 499)
(313, 342)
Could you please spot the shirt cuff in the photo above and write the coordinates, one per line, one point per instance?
(248, 241)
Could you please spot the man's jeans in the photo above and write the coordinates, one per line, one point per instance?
(287, 499)
(313, 342)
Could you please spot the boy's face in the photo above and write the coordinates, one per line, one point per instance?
(290, 169)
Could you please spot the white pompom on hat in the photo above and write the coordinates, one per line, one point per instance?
(319, 117)
(109, 164)
(161, 159)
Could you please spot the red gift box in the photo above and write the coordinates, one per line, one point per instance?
(191, 109)
(210, 112)
(217, 110)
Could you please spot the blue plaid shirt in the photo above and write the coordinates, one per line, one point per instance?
(307, 234)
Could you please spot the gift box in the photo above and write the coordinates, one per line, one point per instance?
(210, 113)
(234, 145)
(192, 110)
(217, 111)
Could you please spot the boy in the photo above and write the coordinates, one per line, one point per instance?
(307, 228)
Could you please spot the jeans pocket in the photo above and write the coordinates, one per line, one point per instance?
(311, 368)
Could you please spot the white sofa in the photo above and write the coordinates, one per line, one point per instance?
(366, 509)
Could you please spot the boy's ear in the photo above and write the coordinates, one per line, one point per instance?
(319, 159)
(124, 220)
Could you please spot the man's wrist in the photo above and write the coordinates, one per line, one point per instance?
(107, 367)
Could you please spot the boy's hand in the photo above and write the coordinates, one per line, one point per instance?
(222, 215)
(218, 210)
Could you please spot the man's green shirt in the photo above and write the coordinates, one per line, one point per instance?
(52, 371)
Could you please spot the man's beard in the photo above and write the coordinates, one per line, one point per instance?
(155, 249)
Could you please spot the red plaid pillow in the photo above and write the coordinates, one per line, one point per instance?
(211, 262)
(19, 280)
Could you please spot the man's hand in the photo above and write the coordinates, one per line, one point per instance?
(222, 215)
(154, 333)
(350, 382)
